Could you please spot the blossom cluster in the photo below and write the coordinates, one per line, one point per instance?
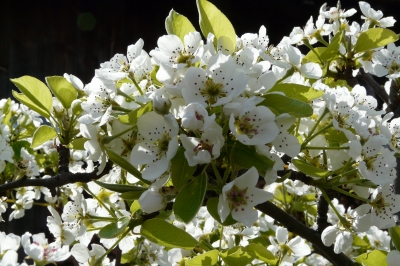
(208, 108)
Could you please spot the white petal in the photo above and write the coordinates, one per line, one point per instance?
(311, 70)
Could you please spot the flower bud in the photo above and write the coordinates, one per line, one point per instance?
(161, 105)
(151, 201)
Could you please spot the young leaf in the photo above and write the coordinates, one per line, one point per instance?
(373, 258)
(312, 57)
(333, 48)
(22, 98)
(374, 38)
(114, 229)
(246, 157)
(190, 199)
(280, 104)
(178, 24)
(180, 170)
(36, 91)
(237, 256)
(119, 187)
(77, 144)
(62, 89)
(133, 116)
(394, 233)
(167, 235)
(297, 91)
(205, 259)
(43, 134)
(214, 21)
(309, 169)
(261, 253)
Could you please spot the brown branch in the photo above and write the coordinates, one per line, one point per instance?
(57, 180)
(374, 85)
(293, 225)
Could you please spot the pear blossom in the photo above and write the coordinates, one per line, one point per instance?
(153, 199)
(240, 196)
(254, 127)
(295, 247)
(385, 203)
(203, 150)
(157, 144)
(334, 13)
(373, 17)
(85, 256)
(40, 251)
(172, 51)
(218, 85)
(57, 228)
(9, 245)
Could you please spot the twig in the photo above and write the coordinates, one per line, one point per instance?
(303, 231)
(57, 180)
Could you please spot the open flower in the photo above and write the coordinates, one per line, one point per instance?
(240, 196)
(158, 144)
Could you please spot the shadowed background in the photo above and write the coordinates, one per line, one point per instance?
(53, 37)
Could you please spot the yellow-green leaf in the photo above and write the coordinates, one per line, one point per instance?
(394, 233)
(214, 21)
(374, 38)
(25, 100)
(36, 91)
(206, 259)
(297, 91)
(178, 24)
(373, 258)
(77, 144)
(43, 134)
(167, 235)
(62, 89)
(261, 253)
(237, 256)
(309, 169)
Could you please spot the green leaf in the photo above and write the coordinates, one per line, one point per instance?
(77, 144)
(206, 259)
(280, 104)
(132, 117)
(312, 57)
(25, 100)
(36, 91)
(17, 146)
(296, 91)
(180, 169)
(190, 199)
(214, 21)
(247, 157)
(237, 256)
(119, 187)
(333, 48)
(261, 253)
(125, 165)
(135, 207)
(43, 134)
(132, 195)
(394, 233)
(113, 230)
(359, 242)
(62, 89)
(212, 207)
(374, 38)
(167, 235)
(309, 169)
(373, 258)
(178, 24)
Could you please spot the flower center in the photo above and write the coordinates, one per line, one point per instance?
(162, 144)
(203, 145)
(244, 126)
(213, 91)
(184, 58)
(236, 198)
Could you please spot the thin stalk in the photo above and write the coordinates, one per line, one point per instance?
(349, 194)
(100, 201)
(217, 175)
(308, 139)
(99, 260)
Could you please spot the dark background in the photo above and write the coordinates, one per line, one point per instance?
(52, 37)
